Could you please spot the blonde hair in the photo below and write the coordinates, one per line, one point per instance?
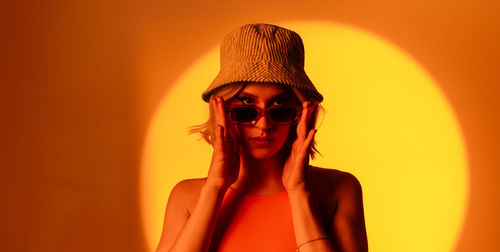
(207, 129)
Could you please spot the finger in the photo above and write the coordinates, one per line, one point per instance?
(223, 120)
(219, 138)
(310, 137)
(222, 114)
(215, 109)
(213, 104)
(302, 127)
(229, 126)
(313, 109)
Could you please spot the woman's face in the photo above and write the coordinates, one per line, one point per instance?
(263, 139)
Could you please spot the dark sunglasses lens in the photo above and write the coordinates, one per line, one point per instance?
(283, 114)
(243, 114)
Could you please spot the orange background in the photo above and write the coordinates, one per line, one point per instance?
(76, 103)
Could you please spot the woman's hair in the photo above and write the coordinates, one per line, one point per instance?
(207, 129)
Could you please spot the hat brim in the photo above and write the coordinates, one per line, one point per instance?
(263, 72)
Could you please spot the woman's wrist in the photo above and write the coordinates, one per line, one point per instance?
(215, 188)
(297, 192)
(307, 227)
(322, 237)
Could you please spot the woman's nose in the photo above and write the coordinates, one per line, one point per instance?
(263, 122)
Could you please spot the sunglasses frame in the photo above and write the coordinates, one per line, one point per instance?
(261, 112)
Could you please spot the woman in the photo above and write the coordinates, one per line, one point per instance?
(261, 194)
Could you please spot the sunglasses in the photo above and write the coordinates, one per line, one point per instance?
(248, 115)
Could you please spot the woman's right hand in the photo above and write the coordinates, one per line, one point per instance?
(225, 165)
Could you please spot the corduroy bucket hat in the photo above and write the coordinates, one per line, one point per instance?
(262, 53)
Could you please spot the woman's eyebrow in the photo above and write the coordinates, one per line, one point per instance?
(246, 95)
(284, 97)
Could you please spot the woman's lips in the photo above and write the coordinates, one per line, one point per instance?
(261, 141)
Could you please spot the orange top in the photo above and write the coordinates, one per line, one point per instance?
(255, 223)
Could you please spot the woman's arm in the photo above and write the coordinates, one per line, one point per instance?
(348, 233)
(306, 226)
(309, 235)
(184, 232)
(348, 223)
(193, 233)
(347, 228)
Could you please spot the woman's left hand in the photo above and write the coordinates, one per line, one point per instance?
(296, 165)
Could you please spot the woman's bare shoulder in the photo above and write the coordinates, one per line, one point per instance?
(329, 173)
(333, 179)
(187, 185)
(187, 191)
(341, 207)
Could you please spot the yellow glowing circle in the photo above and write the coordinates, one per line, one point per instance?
(386, 122)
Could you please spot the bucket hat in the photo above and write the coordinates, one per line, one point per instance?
(262, 53)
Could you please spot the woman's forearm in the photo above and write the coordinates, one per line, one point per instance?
(305, 224)
(197, 233)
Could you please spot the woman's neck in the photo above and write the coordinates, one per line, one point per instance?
(260, 176)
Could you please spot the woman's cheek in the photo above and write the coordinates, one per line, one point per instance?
(240, 134)
(284, 134)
